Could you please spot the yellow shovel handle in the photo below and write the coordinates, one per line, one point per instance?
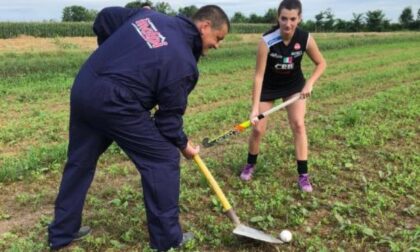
(225, 203)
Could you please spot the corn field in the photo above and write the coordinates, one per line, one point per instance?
(83, 29)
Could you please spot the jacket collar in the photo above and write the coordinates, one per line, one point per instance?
(192, 35)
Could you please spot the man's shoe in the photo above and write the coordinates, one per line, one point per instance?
(186, 237)
(303, 182)
(82, 233)
(247, 171)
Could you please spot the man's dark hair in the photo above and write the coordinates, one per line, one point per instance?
(214, 14)
(290, 5)
(146, 4)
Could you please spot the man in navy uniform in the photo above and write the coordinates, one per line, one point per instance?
(144, 59)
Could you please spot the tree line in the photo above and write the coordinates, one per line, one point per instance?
(324, 21)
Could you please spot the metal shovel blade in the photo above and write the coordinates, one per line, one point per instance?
(240, 229)
(255, 234)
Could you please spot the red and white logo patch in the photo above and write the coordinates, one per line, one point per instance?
(297, 46)
(149, 33)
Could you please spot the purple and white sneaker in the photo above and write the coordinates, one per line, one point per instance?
(247, 171)
(304, 183)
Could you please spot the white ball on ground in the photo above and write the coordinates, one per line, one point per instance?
(285, 235)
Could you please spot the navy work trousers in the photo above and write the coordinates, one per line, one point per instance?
(103, 112)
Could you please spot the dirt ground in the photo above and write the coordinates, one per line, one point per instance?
(23, 44)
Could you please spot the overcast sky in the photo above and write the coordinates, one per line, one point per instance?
(40, 10)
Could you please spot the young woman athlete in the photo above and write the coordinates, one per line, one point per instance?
(278, 75)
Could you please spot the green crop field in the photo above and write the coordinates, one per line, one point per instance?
(363, 123)
(76, 29)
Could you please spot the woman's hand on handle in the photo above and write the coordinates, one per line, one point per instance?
(306, 91)
(253, 116)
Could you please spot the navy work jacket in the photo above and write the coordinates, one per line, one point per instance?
(153, 55)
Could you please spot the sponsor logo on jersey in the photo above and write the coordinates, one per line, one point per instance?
(296, 54)
(272, 38)
(149, 33)
(276, 55)
(273, 41)
(280, 66)
(297, 46)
